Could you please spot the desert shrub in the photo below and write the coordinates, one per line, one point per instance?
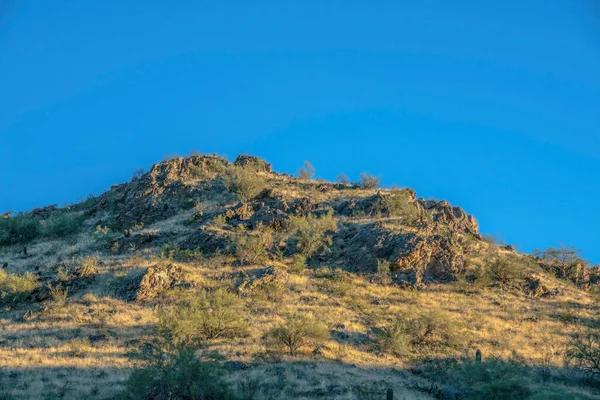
(311, 232)
(298, 264)
(384, 273)
(298, 331)
(336, 282)
(251, 248)
(565, 260)
(21, 228)
(209, 315)
(58, 294)
(219, 220)
(368, 181)
(400, 204)
(583, 353)
(88, 266)
(494, 379)
(178, 374)
(244, 182)
(61, 224)
(173, 251)
(420, 333)
(16, 288)
(307, 171)
(343, 179)
(505, 271)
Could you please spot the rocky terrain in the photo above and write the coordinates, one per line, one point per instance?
(279, 287)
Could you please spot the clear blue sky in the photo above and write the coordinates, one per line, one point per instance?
(492, 105)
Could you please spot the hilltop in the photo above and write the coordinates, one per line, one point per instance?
(271, 286)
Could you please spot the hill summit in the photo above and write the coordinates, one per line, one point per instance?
(266, 285)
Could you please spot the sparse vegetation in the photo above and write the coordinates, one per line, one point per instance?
(208, 315)
(583, 353)
(311, 232)
(244, 182)
(307, 171)
(252, 248)
(368, 181)
(298, 331)
(178, 374)
(15, 288)
(21, 228)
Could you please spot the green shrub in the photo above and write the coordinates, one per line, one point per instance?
(244, 182)
(494, 379)
(384, 273)
(337, 282)
(400, 204)
(505, 271)
(172, 251)
(252, 248)
(368, 181)
(307, 171)
(420, 333)
(298, 331)
(61, 224)
(21, 228)
(298, 264)
(16, 288)
(311, 232)
(178, 374)
(209, 315)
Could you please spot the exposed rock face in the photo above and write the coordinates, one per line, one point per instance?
(163, 191)
(208, 241)
(415, 258)
(455, 217)
(155, 280)
(244, 160)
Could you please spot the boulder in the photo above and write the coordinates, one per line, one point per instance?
(155, 280)
(246, 160)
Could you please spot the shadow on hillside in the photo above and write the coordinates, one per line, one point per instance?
(81, 377)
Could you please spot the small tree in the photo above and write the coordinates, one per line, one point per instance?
(311, 232)
(583, 353)
(504, 271)
(298, 331)
(343, 179)
(177, 373)
(210, 315)
(368, 181)
(307, 171)
(245, 182)
(563, 258)
(384, 275)
(252, 248)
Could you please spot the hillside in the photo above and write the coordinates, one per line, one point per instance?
(279, 287)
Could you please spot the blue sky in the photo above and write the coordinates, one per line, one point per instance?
(494, 106)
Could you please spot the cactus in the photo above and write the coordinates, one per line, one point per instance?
(478, 355)
(390, 394)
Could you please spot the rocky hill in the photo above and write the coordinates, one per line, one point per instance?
(266, 286)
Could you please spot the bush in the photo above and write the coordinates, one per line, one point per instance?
(384, 273)
(368, 181)
(177, 374)
(337, 283)
(298, 331)
(583, 353)
(307, 171)
(207, 316)
(19, 229)
(494, 379)
(564, 259)
(429, 330)
(251, 248)
(343, 179)
(62, 224)
(311, 232)
(504, 271)
(400, 204)
(244, 182)
(298, 264)
(88, 266)
(17, 288)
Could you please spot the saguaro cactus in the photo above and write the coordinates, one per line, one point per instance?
(390, 394)
(478, 355)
